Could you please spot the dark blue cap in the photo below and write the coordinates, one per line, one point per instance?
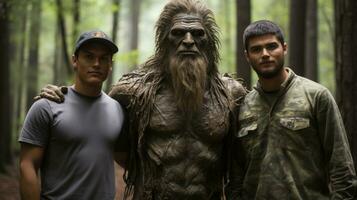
(98, 36)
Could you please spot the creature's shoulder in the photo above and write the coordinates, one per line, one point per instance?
(125, 89)
(234, 86)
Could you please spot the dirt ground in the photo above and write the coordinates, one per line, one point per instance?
(9, 185)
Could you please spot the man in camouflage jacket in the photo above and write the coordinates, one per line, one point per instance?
(291, 143)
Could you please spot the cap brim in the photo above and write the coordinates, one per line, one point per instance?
(113, 48)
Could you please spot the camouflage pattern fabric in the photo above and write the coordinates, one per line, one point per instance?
(294, 148)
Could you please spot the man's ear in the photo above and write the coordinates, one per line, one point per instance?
(74, 62)
(285, 48)
(246, 55)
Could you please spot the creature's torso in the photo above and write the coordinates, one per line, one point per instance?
(188, 150)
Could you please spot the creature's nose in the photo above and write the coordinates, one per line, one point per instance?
(188, 40)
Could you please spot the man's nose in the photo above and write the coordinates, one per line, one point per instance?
(188, 40)
(96, 61)
(265, 52)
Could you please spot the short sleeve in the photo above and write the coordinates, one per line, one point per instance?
(36, 127)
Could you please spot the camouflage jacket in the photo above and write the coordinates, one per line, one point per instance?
(292, 148)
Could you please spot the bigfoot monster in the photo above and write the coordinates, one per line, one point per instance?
(179, 110)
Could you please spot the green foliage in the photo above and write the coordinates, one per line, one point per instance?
(226, 19)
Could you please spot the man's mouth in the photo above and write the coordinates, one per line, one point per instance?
(95, 72)
(267, 63)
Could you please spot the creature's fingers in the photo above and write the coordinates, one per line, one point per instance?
(37, 97)
(64, 89)
(50, 94)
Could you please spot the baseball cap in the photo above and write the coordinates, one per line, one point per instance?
(95, 35)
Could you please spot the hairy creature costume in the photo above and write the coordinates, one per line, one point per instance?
(179, 110)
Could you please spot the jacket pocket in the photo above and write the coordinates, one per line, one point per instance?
(245, 130)
(295, 123)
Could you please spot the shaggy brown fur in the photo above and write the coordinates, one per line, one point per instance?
(155, 74)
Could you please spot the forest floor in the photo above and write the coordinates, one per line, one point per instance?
(9, 184)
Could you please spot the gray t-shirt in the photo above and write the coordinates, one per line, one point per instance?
(79, 136)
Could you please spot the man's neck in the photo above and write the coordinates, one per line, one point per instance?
(88, 90)
(274, 83)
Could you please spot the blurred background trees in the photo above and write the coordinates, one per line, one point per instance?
(37, 39)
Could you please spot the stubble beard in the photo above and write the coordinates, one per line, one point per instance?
(270, 74)
(188, 76)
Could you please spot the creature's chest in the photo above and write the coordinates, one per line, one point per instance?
(211, 121)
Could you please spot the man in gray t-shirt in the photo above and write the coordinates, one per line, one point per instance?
(72, 143)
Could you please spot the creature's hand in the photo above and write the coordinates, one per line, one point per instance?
(53, 93)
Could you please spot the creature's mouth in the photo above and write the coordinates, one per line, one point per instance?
(187, 52)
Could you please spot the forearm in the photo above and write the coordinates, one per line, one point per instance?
(343, 183)
(29, 183)
(121, 158)
(342, 175)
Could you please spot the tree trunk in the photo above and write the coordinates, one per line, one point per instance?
(5, 123)
(19, 80)
(346, 70)
(76, 20)
(311, 55)
(297, 36)
(63, 32)
(116, 5)
(32, 68)
(134, 28)
(243, 20)
(59, 71)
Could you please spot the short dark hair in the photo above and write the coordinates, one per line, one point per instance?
(262, 27)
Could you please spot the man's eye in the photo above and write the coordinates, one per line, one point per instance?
(105, 59)
(255, 49)
(89, 56)
(271, 47)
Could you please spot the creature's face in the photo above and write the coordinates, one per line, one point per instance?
(187, 36)
(266, 55)
(92, 64)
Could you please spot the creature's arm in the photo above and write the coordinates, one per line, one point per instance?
(235, 164)
(30, 162)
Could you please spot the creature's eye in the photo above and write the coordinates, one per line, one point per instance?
(198, 33)
(177, 32)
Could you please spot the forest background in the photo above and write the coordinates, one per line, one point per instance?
(37, 39)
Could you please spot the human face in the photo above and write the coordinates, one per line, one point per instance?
(187, 36)
(92, 64)
(266, 55)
